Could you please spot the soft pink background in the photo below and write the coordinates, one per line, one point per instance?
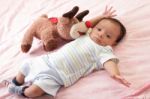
(134, 52)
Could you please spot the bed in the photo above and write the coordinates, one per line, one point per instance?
(133, 52)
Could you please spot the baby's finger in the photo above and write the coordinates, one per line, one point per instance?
(122, 80)
(114, 15)
(109, 10)
(113, 11)
(125, 82)
(106, 8)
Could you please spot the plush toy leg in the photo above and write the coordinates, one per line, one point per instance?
(49, 39)
(81, 15)
(25, 47)
(71, 13)
(50, 45)
(27, 40)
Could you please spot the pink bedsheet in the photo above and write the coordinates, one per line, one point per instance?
(134, 51)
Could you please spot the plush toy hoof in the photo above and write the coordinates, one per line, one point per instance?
(51, 45)
(25, 48)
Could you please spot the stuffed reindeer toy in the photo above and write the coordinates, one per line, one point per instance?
(50, 30)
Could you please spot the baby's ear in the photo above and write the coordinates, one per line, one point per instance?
(114, 44)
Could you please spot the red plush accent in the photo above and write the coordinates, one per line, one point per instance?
(88, 24)
(53, 20)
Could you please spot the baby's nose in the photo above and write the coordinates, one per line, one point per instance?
(101, 34)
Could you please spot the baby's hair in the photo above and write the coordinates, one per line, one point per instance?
(122, 28)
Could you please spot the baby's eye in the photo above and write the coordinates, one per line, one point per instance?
(108, 36)
(99, 29)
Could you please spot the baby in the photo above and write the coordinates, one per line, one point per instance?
(74, 60)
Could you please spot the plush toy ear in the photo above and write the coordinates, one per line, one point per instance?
(71, 14)
(81, 15)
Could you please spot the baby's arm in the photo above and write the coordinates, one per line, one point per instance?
(108, 12)
(113, 70)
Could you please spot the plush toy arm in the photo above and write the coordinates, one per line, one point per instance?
(79, 29)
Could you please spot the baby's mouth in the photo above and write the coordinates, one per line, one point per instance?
(98, 40)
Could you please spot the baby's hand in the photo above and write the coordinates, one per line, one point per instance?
(121, 80)
(109, 12)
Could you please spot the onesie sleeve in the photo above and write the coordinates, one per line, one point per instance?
(107, 54)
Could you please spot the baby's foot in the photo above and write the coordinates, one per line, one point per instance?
(6, 82)
(12, 88)
(15, 89)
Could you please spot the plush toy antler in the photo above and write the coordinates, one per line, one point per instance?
(71, 13)
(68, 20)
(81, 15)
(50, 30)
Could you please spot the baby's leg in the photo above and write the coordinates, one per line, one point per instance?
(26, 91)
(14, 85)
(16, 81)
(19, 79)
(33, 91)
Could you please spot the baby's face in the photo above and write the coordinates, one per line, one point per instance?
(105, 33)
